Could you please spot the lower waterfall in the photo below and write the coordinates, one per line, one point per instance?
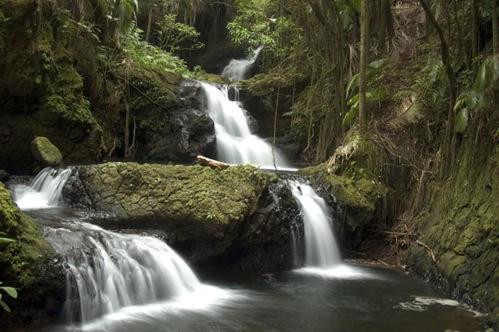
(108, 272)
(322, 256)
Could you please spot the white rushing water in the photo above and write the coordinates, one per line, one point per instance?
(236, 144)
(44, 191)
(237, 69)
(113, 271)
(321, 249)
(322, 256)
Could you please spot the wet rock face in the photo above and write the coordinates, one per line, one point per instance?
(264, 243)
(189, 133)
(185, 131)
(4, 176)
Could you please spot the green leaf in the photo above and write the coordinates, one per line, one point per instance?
(462, 121)
(378, 64)
(4, 306)
(353, 84)
(11, 291)
(4, 240)
(350, 117)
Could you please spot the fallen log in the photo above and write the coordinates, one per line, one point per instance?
(204, 161)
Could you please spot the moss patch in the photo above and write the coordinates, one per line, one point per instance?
(185, 193)
(17, 258)
(46, 152)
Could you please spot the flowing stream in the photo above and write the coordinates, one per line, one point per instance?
(119, 282)
(236, 144)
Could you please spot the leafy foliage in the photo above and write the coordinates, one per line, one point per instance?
(176, 36)
(374, 94)
(260, 23)
(10, 291)
(152, 57)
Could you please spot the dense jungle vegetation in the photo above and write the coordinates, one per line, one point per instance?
(389, 105)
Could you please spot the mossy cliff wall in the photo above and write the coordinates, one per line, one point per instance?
(28, 265)
(41, 92)
(460, 225)
(59, 80)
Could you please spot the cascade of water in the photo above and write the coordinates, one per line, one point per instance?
(110, 271)
(237, 69)
(44, 191)
(235, 142)
(321, 249)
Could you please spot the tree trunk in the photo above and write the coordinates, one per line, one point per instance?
(127, 130)
(449, 138)
(474, 33)
(149, 22)
(114, 22)
(495, 23)
(364, 48)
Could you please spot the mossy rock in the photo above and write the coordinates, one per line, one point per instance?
(28, 265)
(199, 206)
(46, 153)
(359, 197)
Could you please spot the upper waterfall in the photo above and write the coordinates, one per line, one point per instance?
(237, 69)
(44, 191)
(236, 144)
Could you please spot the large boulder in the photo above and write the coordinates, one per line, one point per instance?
(28, 264)
(198, 207)
(46, 153)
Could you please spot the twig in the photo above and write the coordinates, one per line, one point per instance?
(400, 233)
(428, 249)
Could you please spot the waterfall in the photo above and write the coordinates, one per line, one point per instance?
(236, 144)
(237, 69)
(107, 271)
(322, 256)
(321, 249)
(44, 191)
